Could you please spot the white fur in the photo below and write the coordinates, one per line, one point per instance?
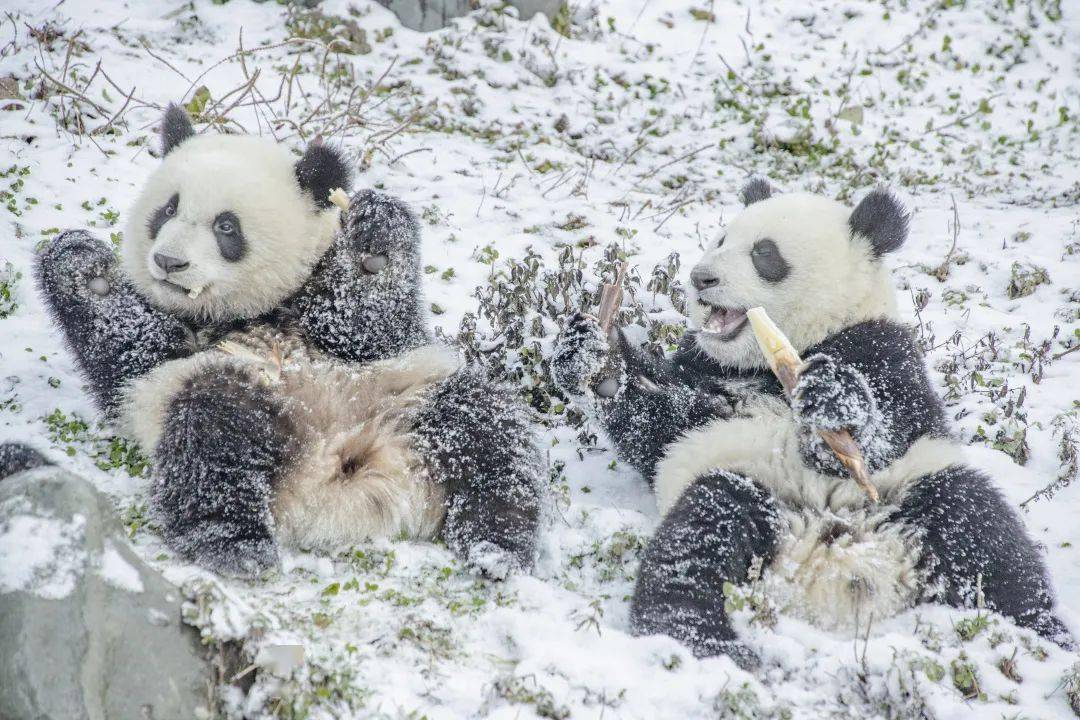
(765, 448)
(866, 573)
(869, 569)
(356, 476)
(835, 281)
(253, 177)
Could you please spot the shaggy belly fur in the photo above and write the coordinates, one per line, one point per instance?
(354, 474)
(839, 562)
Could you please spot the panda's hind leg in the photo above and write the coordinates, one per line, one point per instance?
(476, 440)
(974, 542)
(224, 441)
(711, 535)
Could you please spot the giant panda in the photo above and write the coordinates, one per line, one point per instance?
(742, 479)
(274, 360)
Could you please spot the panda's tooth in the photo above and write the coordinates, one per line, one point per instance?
(194, 292)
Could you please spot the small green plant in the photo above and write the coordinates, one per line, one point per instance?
(1025, 277)
(968, 628)
(965, 677)
(1071, 682)
(527, 691)
(9, 278)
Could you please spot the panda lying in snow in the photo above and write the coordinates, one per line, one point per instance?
(739, 476)
(278, 367)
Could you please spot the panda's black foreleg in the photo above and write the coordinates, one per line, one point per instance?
(113, 332)
(224, 442)
(710, 536)
(974, 542)
(477, 442)
(363, 301)
(642, 405)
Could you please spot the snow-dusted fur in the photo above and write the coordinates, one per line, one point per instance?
(277, 366)
(741, 473)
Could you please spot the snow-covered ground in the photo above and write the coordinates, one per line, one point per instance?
(631, 124)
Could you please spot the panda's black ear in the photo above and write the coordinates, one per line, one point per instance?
(882, 220)
(321, 170)
(176, 127)
(754, 191)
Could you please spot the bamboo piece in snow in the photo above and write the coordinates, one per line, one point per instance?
(786, 365)
(339, 198)
(611, 300)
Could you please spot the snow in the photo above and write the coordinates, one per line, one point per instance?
(667, 115)
(118, 572)
(41, 555)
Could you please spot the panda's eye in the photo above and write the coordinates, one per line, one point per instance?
(720, 242)
(162, 215)
(230, 237)
(769, 263)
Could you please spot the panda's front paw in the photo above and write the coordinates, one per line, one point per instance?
(379, 226)
(832, 396)
(582, 361)
(77, 267)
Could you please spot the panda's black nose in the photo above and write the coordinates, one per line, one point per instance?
(170, 264)
(703, 277)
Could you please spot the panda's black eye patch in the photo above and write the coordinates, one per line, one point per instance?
(162, 215)
(768, 261)
(230, 237)
(720, 242)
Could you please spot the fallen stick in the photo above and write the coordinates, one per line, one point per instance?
(611, 299)
(786, 365)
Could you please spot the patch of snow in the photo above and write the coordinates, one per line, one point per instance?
(38, 554)
(117, 571)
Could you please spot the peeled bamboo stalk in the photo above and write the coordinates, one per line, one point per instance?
(611, 300)
(786, 365)
(340, 198)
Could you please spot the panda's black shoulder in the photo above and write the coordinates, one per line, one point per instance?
(887, 353)
(880, 342)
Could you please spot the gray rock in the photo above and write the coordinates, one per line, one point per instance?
(87, 630)
(425, 15)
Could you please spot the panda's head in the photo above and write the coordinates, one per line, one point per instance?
(229, 225)
(812, 263)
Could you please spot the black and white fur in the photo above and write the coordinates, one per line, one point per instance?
(740, 473)
(279, 368)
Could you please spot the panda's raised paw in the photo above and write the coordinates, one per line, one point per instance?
(378, 224)
(582, 358)
(832, 396)
(77, 266)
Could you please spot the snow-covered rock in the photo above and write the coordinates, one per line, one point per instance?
(425, 15)
(88, 630)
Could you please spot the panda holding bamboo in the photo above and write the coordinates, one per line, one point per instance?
(276, 364)
(742, 477)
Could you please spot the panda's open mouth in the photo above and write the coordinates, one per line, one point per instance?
(191, 292)
(724, 322)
